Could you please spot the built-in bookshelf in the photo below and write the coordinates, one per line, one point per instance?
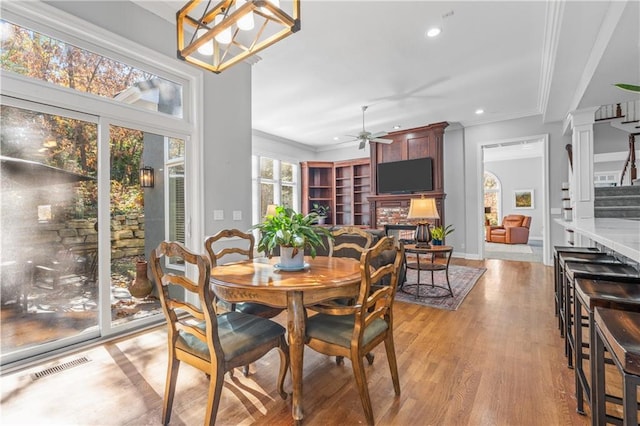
(343, 185)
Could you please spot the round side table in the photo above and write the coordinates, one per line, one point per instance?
(428, 263)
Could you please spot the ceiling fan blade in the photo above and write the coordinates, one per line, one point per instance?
(380, 140)
(378, 134)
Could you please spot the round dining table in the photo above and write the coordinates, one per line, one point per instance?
(260, 280)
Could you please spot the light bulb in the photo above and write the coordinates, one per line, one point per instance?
(223, 37)
(207, 48)
(246, 22)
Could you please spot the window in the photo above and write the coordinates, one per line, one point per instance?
(38, 56)
(277, 183)
(492, 197)
(130, 117)
(176, 195)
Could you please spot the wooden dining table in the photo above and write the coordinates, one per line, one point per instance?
(259, 280)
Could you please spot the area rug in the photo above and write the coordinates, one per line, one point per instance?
(508, 248)
(462, 279)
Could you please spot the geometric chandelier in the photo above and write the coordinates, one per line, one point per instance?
(215, 36)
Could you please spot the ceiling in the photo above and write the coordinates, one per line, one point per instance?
(511, 59)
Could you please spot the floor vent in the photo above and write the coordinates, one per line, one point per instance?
(59, 368)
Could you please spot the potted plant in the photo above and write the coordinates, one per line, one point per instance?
(292, 232)
(321, 211)
(439, 232)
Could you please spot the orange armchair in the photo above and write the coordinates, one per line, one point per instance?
(514, 230)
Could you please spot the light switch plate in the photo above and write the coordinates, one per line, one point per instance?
(237, 215)
(218, 215)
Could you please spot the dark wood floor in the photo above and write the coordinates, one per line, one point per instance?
(497, 360)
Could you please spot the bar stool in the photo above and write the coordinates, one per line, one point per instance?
(590, 257)
(618, 332)
(594, 271)
(557, 274)
(563, 258)
(622, 294)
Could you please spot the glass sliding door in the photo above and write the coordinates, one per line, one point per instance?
(48, 216)
(146, 207)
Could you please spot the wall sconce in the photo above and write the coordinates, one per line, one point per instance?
(230, 31)
(147, 177)
(423, 208)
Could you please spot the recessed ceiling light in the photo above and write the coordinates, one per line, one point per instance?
(479, 111)
(433, 32)
(336, 138)
(396, 127)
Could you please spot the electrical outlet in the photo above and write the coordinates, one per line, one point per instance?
(237, 215)
(218, 215)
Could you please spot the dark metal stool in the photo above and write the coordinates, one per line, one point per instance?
(623, 294)
(594, 271)
(589, 257)
(618, 332)
(557, 274)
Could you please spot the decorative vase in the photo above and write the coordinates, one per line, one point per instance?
(141, 286)
(436, 242)
(321, 220)
(289, 260)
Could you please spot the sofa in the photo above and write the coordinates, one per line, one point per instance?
(514, 230)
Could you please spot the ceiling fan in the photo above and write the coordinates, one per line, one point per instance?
(365, 136)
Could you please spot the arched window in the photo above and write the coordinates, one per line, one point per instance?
(492, 197)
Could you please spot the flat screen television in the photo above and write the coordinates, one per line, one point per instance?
(405, 177)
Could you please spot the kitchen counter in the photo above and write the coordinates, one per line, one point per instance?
(619, 235)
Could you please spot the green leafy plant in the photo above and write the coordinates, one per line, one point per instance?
(439, 232)
(290, 229)
(320, 210)
(629, 87)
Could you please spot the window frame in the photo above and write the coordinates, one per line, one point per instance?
(56, 23)
(277, 182)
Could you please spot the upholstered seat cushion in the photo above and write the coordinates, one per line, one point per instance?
(239, 333)
(338, 329)
(258, 309)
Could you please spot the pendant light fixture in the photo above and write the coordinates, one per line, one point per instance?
(215, 36)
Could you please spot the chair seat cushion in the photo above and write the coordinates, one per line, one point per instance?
(239, 333)
(258, 309)
(338, 329)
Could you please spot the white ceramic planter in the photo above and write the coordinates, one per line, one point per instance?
(288, 261)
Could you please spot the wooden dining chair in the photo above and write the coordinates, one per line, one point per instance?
(353, 331)
(217, 246)
(353, 241)
(209, 342)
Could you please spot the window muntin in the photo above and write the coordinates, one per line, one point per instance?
(38, 56)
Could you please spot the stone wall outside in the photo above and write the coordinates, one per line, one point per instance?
(127, 234)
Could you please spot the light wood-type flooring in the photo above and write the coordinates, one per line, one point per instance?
(497, 360)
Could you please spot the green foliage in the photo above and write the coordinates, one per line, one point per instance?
(320, 210)
(439, 232)
(629, 87)
(290, 229)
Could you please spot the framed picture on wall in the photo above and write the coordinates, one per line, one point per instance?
(523, 198)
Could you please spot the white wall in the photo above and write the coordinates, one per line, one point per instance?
(522, 173)
(475, 136)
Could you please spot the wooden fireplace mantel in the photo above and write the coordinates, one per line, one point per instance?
(408, 144)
